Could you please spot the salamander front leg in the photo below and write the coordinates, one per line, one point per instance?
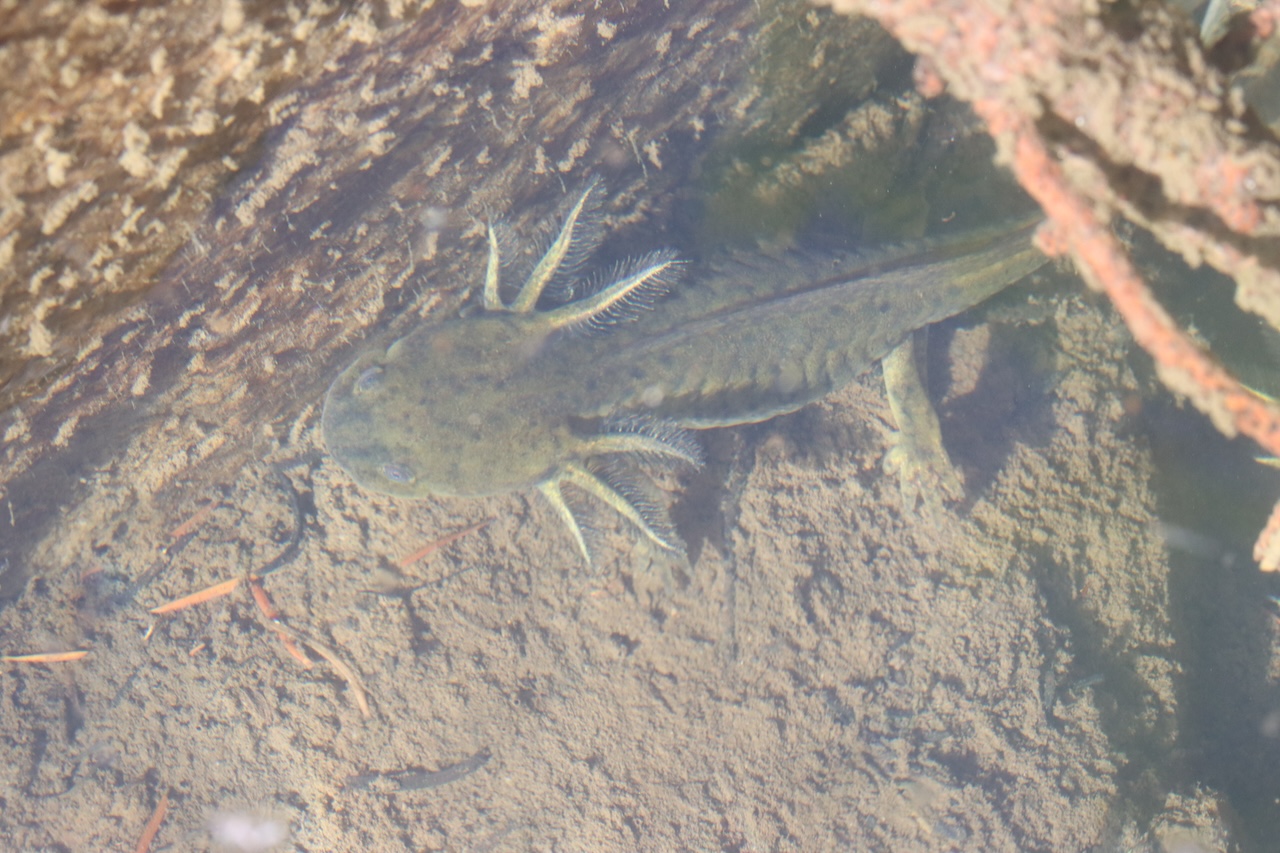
(924, 470)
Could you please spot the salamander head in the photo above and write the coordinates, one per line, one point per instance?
(444, 411)
(481, 405)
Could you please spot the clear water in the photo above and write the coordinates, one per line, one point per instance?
(1076, 655)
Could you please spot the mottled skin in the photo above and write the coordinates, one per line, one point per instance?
(515, 397)
(466, 405)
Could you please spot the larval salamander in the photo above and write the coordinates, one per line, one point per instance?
(577, 381)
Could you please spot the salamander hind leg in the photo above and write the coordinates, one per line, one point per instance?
(919, 460)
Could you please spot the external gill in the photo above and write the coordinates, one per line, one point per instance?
(631, 286)
(622, 494)
(578, 237)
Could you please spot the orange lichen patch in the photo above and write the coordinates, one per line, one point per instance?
(1229, 180)
(1182, 364)
(218, 590)
(45, 657)
(1004, 63)
(1103, 260)
(431, 547)
(152, 829)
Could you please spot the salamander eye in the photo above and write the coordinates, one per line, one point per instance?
(368, 379)
(397, 473)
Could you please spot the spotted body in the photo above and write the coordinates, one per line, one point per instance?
(580, 393)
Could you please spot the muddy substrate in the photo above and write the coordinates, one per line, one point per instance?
(832, 671)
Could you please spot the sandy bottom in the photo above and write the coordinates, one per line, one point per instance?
(833, 671)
